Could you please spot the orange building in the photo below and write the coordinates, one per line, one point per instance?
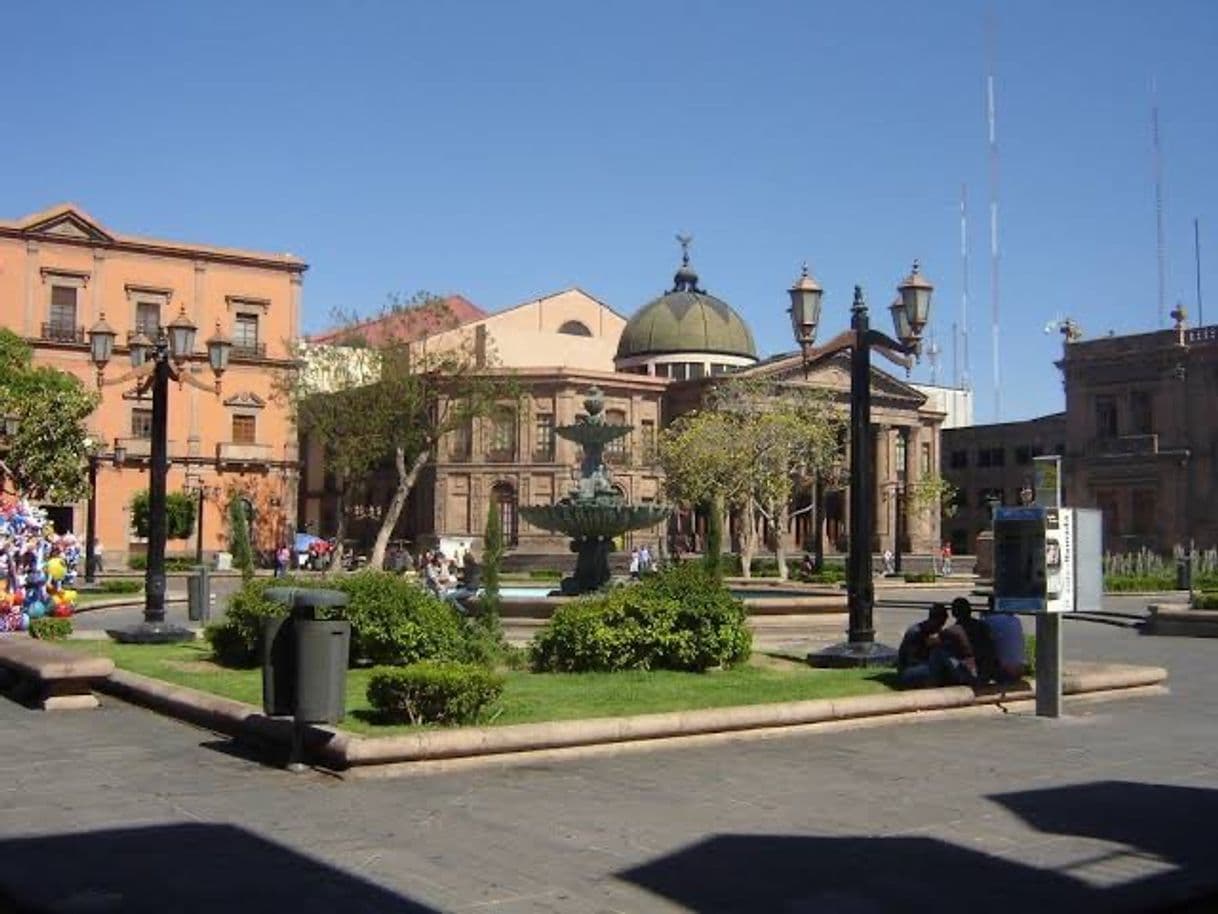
(61, 270)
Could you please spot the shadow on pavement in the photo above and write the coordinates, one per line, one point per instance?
(179, 868)
(1168, 866)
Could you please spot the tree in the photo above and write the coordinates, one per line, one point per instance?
(390, 390)
(749, 449)
(47, 457)
(933, 495)
(239, 537)
(492, 556)
(179, 514)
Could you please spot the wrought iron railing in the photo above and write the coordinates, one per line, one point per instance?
(60, 332)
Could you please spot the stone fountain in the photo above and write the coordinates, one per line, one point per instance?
(595, 512)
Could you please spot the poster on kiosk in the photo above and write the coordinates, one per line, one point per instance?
(1046, 560)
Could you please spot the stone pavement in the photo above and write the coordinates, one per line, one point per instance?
(1110, 809)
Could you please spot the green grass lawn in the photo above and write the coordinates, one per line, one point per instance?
(527, 697)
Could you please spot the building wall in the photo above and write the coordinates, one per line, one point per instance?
(111, 274)
(984, 461)
(1141, 436)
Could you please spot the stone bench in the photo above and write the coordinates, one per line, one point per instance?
(51, 677)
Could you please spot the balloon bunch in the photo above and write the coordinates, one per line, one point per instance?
(37, 567)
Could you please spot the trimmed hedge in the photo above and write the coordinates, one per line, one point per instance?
(49, 628)
(920, 577)
(677, 619)
(433, 693)
(393, 621)
(174, 563)
(123, 585)
(1204, 600)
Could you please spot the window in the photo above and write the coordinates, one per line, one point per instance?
(677, 371)
(718, 369)
(998, 457)
(148, 319)
(985, 496)
(697, 370)
(615, 450)
(544, 440)
(462, 444)
(1105, 417)
(141, 423)
(647, 438)
(1141, 415)
(902, 454)
(503, 435)
(1143, 512)
(661, 370)
(62, 323)
(245, 336)
(245, 429)
(959, 460)
(575, 328)
(990, 457)
(925, 464)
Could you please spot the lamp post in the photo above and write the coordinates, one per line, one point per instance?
(153, 364)
(95, 459)
(910, 313)
(201, 491)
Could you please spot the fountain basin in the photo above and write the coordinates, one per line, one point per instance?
(589, 521)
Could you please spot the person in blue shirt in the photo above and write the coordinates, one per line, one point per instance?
(1006, 636)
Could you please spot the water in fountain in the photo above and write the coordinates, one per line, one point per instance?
(595, 512)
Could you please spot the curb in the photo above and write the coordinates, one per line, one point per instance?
(340, 750)
(124, 603)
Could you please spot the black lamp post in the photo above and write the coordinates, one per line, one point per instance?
(910, 313)
(1184, 571)
(153, 365)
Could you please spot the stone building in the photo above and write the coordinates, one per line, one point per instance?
(1141, 415)
(990, 464)
(61, 270)
(652, 368)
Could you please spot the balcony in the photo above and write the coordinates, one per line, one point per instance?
(460, 455)
(1124, 446)
(501, 455)
(140, 448)
(232, 453)
(543, 455)
(58, 332)
(618, 457)
(248, 350)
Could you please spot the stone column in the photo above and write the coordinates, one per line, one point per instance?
(882, 435)
(32, 287)
(97, 296)
(296, 280)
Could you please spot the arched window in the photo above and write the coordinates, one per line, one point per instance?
(575, 328)
(504, 495)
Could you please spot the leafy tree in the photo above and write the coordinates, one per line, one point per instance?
(239, 538)
(750, 449)
(179, 514)
(47, 458)
(712, 558)
(391, 389)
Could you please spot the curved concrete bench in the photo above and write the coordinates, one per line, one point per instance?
(54, 678)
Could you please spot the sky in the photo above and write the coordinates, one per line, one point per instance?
(505, 151)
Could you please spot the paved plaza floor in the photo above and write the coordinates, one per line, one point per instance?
(1111, 809)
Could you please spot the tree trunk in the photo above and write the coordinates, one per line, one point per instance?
(781, 514)
(406, 481)
(748, 538)
(340, 532)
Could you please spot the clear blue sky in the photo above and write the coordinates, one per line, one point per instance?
(508, 150)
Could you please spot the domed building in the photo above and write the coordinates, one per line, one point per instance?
(686, 333)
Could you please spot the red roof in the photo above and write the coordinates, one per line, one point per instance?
(407, 326)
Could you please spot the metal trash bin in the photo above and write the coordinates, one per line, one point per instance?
(304, 659)
(198, 595)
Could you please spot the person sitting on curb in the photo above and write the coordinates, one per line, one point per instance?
(913, 656)
(954, 661)
(1006, 635)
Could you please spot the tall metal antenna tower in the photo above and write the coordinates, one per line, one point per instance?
(1160, 255)
(1197, 261)
(993, 137)
(932, 355)
(967, 381)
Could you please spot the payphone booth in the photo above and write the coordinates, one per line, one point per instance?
(1047, 562)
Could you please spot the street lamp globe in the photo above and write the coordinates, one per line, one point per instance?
(138, 348)
(806, 297)
(181, 336)
(218, 349)
(915, 292)
(101, 343)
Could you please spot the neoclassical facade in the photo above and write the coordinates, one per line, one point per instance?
(652, 368)
(61, 270)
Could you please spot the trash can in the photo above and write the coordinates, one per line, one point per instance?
(304, 659)
(198, 595)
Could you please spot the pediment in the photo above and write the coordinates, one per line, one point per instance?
(245, 399)
(68, 224)
(833, 373)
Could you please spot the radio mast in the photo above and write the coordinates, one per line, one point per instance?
(1158, 155)
(991, 118)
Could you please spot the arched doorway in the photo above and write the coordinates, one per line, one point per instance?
(504, 496)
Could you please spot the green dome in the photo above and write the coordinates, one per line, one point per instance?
(686, 319)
